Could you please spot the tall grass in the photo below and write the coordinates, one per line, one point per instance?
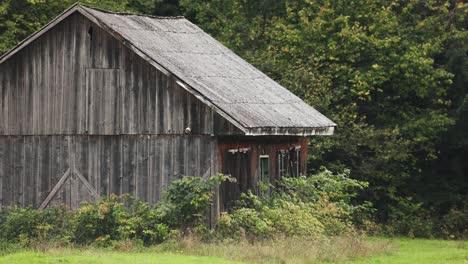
(285, 250)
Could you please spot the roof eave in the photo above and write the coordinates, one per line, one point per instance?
(290, 131)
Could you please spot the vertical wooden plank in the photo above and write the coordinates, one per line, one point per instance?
(60, 68)
(151, 102)
(178, 157)
(193, 158)
(30, 94)
(129, 148)
(106, 165)
(168, 159)
(135, 164)
(6, 97)
(136, 70)
(16, 163)
(80, 73)
(36, 168)
(67, 70)
(156, 168)
(151, 176)
(91, 160)
(22, 88)
(44, 172)
(2, 171)
(13, 99)
(115, 165)
(142, 170)
(8, 173)
(2, 102)
(70, 57)
(22, 170)
(163, 165)
(169, 99)
(142, 95)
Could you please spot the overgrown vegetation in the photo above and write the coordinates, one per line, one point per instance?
(302, 220)
(117, 218)
(308, 208)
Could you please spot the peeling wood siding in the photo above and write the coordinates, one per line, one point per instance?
(30, 166)
(77, 80)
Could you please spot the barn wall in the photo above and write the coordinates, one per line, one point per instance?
(247, 167)
(78, 79)
(30, 166)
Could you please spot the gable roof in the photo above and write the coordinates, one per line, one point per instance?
(238, 91)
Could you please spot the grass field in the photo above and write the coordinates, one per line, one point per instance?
(422, 251)
(395, 251)
(107, 258)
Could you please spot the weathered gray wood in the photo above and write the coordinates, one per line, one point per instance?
(31, 167)
(50, 79)
(55, 189)
(86, 183)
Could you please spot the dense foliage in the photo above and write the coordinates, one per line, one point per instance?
(391, 74)
(117, 218)
(304, 207)
(307, 207)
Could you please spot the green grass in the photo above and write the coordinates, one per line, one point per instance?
(106, 258)
(338, 250)
(422, 251)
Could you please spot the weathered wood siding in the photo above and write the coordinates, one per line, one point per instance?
(78, 79)
(30, 166)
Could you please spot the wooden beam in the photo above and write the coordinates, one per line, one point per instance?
(57, 187)
(86, 183)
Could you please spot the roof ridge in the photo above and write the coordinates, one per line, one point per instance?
(128, 13)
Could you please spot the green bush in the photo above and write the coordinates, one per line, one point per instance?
(143, 222)
(26, 225)
(114, 219)
(293, 219)
(455, 224)
(309, 207)
(187, 200)
(118, 218)
(98, 222)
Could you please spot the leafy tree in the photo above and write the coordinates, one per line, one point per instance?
(389, 73)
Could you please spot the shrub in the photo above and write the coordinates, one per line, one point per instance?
(293, 219)
(244, 222)
(299, 207)
(408, 218)
(142, 222)
(26, 225)
(187, 200)
(455, 224)
(118, 218)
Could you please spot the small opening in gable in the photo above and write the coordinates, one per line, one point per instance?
(90, 32)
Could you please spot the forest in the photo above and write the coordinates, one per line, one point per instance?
(393, 76)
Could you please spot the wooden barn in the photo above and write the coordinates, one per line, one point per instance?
(97, 103)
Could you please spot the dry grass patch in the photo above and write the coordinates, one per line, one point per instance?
(286, 250)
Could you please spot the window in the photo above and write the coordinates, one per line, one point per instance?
(289, 162)
(265, 179)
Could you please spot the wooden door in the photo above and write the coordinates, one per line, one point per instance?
(72, 188)
(237, 165)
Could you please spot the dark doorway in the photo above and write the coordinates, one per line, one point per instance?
(236, 162)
